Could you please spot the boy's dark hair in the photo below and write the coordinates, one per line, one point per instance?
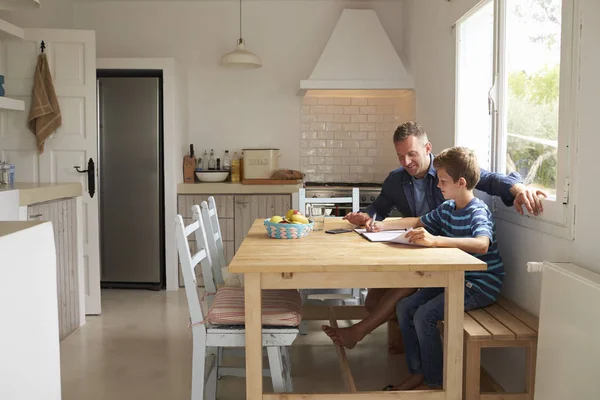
(410, 128)
(459, 162)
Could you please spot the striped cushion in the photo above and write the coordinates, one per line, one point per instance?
(279, 307)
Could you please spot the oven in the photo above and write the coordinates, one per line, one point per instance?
(368, 193)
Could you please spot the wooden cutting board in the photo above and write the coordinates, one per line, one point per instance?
(271, 181)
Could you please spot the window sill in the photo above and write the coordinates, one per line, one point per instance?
(557, 219)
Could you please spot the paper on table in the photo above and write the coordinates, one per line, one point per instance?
(394, 236)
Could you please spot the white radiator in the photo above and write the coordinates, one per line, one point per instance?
(568, 362)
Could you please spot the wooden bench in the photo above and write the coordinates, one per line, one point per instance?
(503, 324)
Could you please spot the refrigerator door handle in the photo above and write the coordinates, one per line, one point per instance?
(91, 176)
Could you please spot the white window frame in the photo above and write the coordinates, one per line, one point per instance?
(559, 215)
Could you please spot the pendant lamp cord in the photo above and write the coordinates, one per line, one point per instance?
(240, 21)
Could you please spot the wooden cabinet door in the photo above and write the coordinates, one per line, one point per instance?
(63, 215)
(250, 207)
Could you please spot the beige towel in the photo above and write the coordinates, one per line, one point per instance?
(44, 114)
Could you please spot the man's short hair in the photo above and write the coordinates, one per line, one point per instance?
(459, 162)
(410, 128)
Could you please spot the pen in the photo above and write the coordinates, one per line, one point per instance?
(373, 221)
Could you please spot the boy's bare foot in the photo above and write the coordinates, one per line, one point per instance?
(347, 337)
(410, 383)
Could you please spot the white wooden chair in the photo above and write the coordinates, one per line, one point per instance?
(205, 369)
(214, 238)
(330, 296)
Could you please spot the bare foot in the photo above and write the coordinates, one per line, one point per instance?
(347, 337)
(410, 383)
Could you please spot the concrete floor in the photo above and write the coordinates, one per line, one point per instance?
(140, 348)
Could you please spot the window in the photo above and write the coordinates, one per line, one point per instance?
(516, 78)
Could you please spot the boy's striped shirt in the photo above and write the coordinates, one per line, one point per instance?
(472, 221)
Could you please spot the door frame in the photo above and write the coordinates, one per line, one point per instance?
(167, 65)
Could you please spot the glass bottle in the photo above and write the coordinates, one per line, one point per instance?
(235, 168)
(212, 165)
(205, 161)
(226, 161)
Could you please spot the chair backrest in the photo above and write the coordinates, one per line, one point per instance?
(303, 201)
(189, 261)
(214, 238)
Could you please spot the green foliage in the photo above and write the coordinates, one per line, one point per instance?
(533, 111)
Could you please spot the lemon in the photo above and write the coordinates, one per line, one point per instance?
(276, 219)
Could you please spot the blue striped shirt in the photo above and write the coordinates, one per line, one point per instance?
(472, 221)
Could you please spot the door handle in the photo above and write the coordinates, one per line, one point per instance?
(35, 216)
(91, 174)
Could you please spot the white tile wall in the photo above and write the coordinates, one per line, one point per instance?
(349, 139)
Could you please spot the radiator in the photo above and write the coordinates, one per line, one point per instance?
(568, 362)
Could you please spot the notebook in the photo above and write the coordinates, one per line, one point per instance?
(394, 236)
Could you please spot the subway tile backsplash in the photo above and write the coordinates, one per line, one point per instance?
(349, 139)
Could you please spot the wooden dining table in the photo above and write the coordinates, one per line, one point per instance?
(328, 261)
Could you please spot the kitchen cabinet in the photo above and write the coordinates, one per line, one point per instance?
(236, 214)
(250, 207)
(63, 215)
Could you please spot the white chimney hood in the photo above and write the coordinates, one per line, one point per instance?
(358, 55)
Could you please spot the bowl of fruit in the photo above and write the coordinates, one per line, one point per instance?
(293, 226)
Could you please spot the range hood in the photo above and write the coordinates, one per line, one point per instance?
(359, 55)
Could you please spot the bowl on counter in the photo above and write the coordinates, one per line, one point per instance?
(212, 176)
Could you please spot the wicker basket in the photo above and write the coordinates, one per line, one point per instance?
(287, 231)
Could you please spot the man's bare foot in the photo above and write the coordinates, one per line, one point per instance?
(427, 387)
(410, 383)
(347, 337)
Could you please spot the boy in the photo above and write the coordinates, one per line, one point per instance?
(465, 222)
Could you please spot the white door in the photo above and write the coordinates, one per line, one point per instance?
(72, 60)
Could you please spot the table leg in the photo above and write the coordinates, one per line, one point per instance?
(453, 335)
(254, 379)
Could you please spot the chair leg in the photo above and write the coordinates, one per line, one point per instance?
(287, 369)
(198, 361)
(530, 364)
(472, 370)
(276, 366)
(211, 382)
(219, 361)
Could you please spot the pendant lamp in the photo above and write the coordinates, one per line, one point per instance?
(240, 57)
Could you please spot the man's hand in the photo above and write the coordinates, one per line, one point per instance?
(357, 218)
(422, 237)
(529, 198)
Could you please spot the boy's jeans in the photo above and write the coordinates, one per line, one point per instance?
(418, 315)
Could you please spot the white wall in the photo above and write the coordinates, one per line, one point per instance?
(429, 43)
(230, 109)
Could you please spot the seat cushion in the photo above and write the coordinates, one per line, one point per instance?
(279, 307)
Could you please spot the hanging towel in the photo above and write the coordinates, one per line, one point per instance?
(44, 114)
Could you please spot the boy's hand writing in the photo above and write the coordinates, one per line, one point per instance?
(376, 227)
(421, 237)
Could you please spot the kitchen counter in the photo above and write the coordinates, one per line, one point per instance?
(31, 193)
(235, 188)
(10, 227)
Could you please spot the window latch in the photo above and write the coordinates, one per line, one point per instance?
(565, 197)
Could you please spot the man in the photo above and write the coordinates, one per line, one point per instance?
(413, 190)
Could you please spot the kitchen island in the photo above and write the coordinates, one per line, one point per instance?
(29, 340)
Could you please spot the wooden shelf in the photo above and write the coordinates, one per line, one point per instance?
(11, 104)
(12, 5)
(10, 31)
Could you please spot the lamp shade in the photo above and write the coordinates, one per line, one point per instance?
(241, 58)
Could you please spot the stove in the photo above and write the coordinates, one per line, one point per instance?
(368, 190)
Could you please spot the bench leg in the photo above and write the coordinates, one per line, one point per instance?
(530, 360)
(472, 370)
